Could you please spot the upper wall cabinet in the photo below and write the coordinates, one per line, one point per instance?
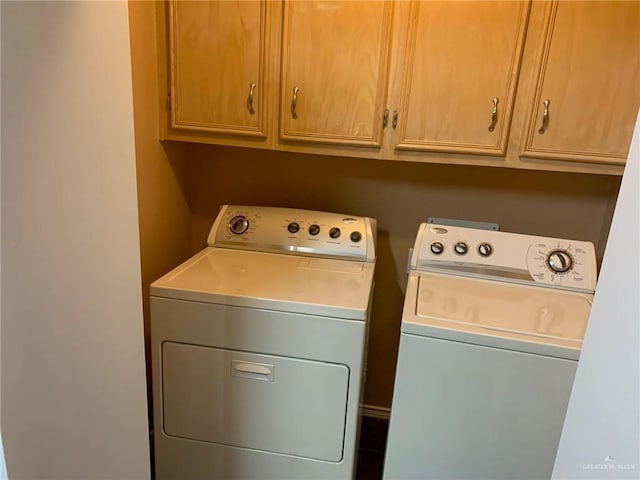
(459, 75)
(335, 61)
(587, 90)
(550, 85)
(218, 56)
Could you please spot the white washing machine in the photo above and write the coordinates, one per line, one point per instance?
(491, 332)
(258, 348)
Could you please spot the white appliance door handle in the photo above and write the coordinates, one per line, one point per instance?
(256, 371)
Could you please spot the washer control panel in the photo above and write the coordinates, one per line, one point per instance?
(295, 231)
(567, 264)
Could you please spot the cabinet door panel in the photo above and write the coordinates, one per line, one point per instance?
(459, 57)
(217, 51)
(590, 74)
(336, 54)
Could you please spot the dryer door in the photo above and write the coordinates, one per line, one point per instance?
(264, 402)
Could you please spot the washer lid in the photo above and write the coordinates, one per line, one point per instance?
(288, 283)
(518, 317)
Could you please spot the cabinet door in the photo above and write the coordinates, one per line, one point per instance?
(589, 80)
(335, 57)
(217, 52)
(460, 72)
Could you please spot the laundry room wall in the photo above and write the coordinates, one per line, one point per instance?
(181, 187)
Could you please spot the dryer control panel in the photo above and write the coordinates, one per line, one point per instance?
(504, 256)
(294, 231)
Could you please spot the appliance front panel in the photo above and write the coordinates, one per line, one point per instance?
(473, 412)
(320, 340)
(264, 402)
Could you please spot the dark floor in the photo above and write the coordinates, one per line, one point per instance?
(373, 438)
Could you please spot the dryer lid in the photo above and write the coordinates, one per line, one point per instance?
(286, 283)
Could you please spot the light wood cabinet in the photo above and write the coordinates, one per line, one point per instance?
(335, 62)
(587, 89)
(463, 82)
(218, 66)
(459, 73)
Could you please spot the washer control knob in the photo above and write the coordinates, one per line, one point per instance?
(239, 225)
(485, 249)
(293, 227)
(460, 248)
(355, 236)
(436, 248)
(314, 229)
(559, 261)
(334, 232)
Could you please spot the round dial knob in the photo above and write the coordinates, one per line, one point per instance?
(334, 232)
(436, 248)
(293, 227)
(559, 261)
(485, 249)
(460, 248)
(239, 225)
(355, 236)
(314, 229)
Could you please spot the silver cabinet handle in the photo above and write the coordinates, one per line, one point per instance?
(252, 110)
(545, 116)
(494, 115)
(294, 101)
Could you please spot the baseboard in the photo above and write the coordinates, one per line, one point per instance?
(375, 411)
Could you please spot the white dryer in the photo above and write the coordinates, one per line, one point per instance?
(491, 333)
(258, 348)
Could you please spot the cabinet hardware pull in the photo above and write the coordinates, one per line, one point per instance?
(294, 101)
(545, 117)
(494, 115)
(385, 118)
(394, 122)
(252, 87)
